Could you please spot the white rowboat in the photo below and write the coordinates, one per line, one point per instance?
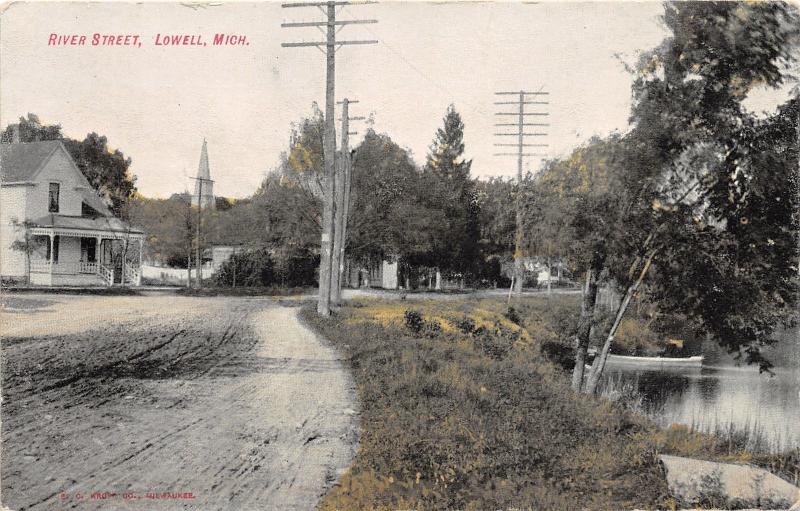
(655, 362)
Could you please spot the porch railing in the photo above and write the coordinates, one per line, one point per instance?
(40, 266)
(107, 273)
(63, 268)
(88, 267)
(132, 275)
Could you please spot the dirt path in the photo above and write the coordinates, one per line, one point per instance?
(240, 407)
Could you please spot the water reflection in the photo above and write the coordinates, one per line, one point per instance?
(715, 398)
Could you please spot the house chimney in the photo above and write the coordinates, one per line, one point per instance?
(15, 133)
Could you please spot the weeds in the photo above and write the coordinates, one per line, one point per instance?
(472, 418)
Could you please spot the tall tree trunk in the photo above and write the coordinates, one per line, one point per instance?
(585, 328)
(600, 362)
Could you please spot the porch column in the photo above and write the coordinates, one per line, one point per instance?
(98, 250)
(52, 256)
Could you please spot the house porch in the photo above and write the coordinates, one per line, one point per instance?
(71, 257)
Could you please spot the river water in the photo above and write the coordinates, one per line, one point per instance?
(722, 395)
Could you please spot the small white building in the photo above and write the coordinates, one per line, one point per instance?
(381, 275)
(54, 228)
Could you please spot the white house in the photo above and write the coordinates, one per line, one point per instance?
(54, 229)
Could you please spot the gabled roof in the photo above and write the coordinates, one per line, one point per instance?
(21, 162)
(95, 202)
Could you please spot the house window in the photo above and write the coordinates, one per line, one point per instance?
(53, 198)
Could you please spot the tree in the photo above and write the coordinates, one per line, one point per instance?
(453, 192)
(573, 212)
(696, 165)
(388, 219)
(497, 226)
(106, 170)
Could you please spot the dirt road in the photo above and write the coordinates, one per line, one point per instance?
(168, 403)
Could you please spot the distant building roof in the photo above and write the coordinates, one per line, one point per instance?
(21, 162)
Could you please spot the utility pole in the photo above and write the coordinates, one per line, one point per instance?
(198, 277)
(520, 134)
(344, 169)
(330, 45)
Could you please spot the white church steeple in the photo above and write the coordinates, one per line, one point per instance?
(204, 186)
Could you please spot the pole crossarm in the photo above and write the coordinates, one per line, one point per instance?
(521, 134)
(522, 145)
(518, 92)
(349, 103)
(324, 4)
(325, 23)
(524, 113)
(324, 43)
(524, 103)
(519, 154)
(523, 124)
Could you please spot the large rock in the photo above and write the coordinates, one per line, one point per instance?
(727, 485)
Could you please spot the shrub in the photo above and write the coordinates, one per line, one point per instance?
(497, 343)
(560, 354)
(252, 268)
(431, 328)
(512, 315)
(414, 320)
(296, 267)
(465, 324)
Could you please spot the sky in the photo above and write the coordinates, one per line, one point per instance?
(158, 103)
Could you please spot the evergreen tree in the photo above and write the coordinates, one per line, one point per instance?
(453, 191)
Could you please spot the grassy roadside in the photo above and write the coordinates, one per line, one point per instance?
(463, 411)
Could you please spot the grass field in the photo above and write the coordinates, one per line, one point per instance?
(461, 410)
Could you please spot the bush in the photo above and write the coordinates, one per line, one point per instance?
(252, 268)
(414, 321)
(431, 328)
(512, 315)
(296, 267)
(496, 343)
(465, 324)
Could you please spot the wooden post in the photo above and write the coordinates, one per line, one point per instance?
(518, 237)
(198, 265)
